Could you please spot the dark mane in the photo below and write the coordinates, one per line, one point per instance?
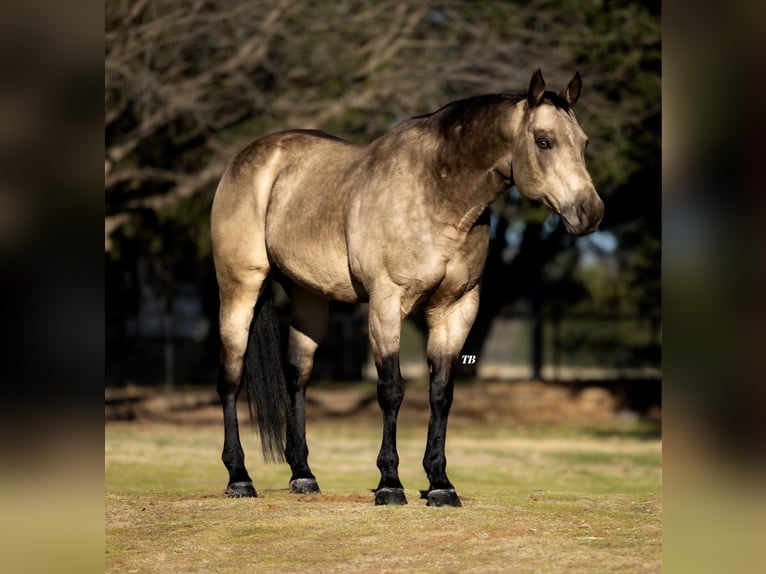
(459, 108)
(472, 103)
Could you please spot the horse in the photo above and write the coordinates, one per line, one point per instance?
(401, 223)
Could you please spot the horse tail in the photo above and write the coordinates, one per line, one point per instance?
(264, 379)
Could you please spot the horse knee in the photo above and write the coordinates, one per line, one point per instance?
(390, 394)
(390, 384)
(441, 391)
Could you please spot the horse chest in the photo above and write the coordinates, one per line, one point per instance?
(437, 266)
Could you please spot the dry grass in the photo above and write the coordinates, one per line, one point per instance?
(536, 499)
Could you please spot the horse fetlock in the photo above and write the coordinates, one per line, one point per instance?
(233, 460)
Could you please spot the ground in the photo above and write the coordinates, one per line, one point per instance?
(552, 480)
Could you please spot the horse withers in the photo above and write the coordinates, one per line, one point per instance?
(401, 223)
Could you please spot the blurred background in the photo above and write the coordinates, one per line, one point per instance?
(188, 84)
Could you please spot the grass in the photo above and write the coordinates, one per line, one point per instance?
(536, 499)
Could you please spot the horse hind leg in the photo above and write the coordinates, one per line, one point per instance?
(307, 329)
(448, 329)
(238, 300)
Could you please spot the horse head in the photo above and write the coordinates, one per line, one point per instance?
(548, 158)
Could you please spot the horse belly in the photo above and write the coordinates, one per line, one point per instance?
(318, 269)
(311, 251)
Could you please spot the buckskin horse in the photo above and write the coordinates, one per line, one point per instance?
(400, 223)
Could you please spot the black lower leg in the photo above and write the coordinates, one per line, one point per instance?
(440, 489)
(302, 480)
(240, 484)
(390, 396)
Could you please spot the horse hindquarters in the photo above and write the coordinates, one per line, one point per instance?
(242, 268)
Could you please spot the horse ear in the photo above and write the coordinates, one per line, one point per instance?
(572, 92)
(536, 89)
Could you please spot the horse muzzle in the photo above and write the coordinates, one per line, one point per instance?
(584, 214)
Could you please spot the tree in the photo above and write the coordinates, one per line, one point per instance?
(187, 84)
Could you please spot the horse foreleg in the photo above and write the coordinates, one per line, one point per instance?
(385, 331)
(308, 328)
(448, 329)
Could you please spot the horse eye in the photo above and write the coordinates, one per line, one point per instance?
(543, 143)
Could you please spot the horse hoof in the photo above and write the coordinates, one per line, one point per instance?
(241, 490)
(390, 496)
(443, 497)
(304, 486)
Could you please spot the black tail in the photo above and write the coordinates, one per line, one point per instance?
(265, 380)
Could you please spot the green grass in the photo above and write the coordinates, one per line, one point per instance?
(536, 499)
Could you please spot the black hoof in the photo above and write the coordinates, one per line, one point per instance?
(304, 486)
(390, 496)
(443, 497)
(241, 490)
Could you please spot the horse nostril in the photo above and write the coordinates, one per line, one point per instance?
(589, 211)
(598, 205)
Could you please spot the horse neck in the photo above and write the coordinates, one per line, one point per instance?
(472, 161)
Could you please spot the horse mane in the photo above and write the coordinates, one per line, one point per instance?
(453, 111)
(460, 107)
